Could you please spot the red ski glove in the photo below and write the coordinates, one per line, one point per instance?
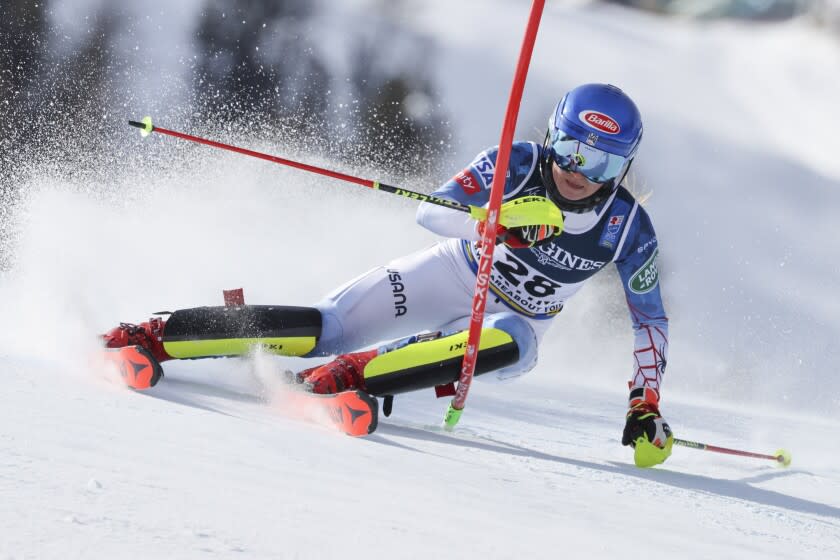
(522, 237)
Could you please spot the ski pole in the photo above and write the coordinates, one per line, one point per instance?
(488, 239)
(146, 127)
(781, 456)
(525, 211)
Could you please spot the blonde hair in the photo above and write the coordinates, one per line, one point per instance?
(637, 188)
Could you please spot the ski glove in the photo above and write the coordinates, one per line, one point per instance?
(645, 430)
(522, 237)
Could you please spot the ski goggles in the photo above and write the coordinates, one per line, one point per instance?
(570, 154)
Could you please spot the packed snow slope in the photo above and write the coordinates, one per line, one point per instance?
(738, 154)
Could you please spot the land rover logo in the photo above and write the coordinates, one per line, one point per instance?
(646, 278)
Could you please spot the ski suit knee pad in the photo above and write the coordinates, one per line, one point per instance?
(522, 332)
(419, 363)
(526, 340)
(205, 332)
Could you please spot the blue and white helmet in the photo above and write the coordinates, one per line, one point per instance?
(594, 130)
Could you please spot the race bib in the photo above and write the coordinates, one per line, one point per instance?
(524, 288)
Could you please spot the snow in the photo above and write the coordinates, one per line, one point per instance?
(744, 181)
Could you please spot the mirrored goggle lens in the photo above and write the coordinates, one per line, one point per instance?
(594, 164)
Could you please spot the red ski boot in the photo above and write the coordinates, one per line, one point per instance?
(148, 335)
(344, 373)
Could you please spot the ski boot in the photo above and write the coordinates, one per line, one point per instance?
(344, 373)
(148, 335)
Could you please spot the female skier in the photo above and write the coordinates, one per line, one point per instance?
(422, 302)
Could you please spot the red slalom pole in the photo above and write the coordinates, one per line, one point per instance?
(782, 457)
(488, 239)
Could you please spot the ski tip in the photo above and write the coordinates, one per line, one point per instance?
(353, 412)
(373, 405)
(783, 457)
(137, 367)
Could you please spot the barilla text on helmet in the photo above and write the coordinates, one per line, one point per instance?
(599, 121)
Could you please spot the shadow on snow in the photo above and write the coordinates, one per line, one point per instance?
(738, 489)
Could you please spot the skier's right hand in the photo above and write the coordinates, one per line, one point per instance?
(522, 237)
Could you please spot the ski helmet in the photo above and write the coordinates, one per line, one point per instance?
(594, 130)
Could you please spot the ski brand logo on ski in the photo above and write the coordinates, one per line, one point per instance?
(647, 277)
(458, 346)
(355, 413)
(336, 414)
(599, 121)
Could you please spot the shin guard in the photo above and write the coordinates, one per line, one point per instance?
(436, 362)
(205, 332)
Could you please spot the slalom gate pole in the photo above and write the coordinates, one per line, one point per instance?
(488, 239)
(782, 457)
(146, 127)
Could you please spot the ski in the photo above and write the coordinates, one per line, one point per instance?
(137, 367)
(353, 412)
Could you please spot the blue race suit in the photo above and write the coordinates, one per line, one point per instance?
(536, 282)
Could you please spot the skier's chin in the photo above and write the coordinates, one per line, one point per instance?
(572, 186)
(574, 191)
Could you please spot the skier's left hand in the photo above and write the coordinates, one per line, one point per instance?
(648, 433)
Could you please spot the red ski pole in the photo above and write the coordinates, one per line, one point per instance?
(488, 239)
(782, 456)
(146, 127)
(540, 211)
